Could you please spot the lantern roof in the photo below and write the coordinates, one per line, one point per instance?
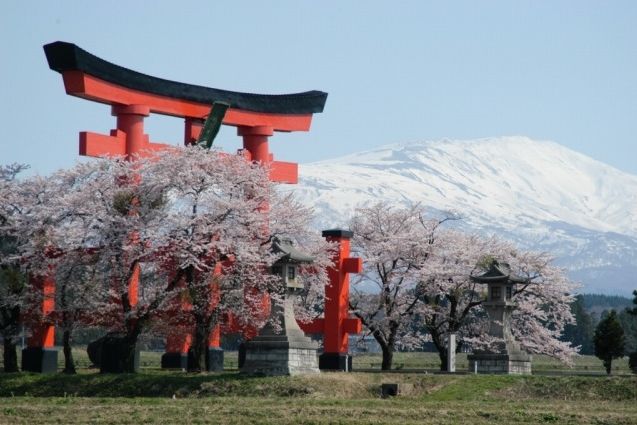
(498, 273)
(290, 254)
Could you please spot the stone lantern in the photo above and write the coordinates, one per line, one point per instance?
(506, 355)
(284, 350)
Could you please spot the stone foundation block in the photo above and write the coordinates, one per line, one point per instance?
(38, 359)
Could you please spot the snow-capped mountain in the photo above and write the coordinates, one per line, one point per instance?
(537, 193)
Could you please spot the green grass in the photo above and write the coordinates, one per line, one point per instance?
(326, 385)
(289, 411)
(157, 396)
(431, 362)
(318, 399)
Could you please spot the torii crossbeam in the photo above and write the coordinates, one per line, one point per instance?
(133, 96)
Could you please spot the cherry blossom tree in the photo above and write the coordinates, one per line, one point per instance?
(127, 241)
(37, 250)
(77, 289)
(454, 301)
(28, 223)
(450, 298)
(97, 215)
(218, 234)
(394, 245)
(222, 215)
(423, 274)
(12, 278)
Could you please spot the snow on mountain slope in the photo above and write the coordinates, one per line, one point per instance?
(538, 193)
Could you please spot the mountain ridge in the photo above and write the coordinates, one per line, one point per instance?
(537, 193)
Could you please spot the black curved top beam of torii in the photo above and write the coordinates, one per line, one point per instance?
(63, 56)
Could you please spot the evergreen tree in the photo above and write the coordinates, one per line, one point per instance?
(629, 325)
(609, 340)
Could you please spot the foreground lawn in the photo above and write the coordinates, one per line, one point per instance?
(242, 410)
(353, 398)
(173, 397)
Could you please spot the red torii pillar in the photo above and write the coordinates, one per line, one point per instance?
(40, 355)
(336, 325)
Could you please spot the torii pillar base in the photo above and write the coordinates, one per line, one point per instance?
(173, 360)
(40, 360)
(335, 361)
(214, 361)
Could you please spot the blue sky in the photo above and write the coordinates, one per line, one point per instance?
(396, 71)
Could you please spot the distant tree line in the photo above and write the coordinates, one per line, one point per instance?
(616, 302)
(583, 308)
(609, 335)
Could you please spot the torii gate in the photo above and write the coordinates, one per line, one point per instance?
(134, 96)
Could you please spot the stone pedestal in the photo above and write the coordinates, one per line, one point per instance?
(488, 363)
(280, 355)
(174, 361)
(281, 352)
(214, 361)
(114, 348)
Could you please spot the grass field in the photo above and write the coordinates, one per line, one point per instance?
(156, 396)
(173, 397)
(430, 362)
(402, 361)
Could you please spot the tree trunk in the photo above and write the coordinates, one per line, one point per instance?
(69, 365)
(436, 338)
(10, 355)
(202, 295)
(608, 365)
(131, 346)
(443, 356)
(387, 349)
(199, 347)
(388, 357)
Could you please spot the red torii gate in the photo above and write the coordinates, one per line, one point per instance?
(134, 96)
(336, 325)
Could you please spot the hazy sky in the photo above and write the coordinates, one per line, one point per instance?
(395, 71)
